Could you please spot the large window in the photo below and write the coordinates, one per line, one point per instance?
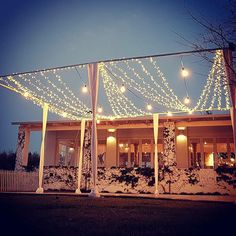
(138, 152)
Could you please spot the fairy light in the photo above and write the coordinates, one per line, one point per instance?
(121, 106)
(122, 88)
(140, 89)
(149, 107)
(26, 94)
(100, 109)
(48, 86)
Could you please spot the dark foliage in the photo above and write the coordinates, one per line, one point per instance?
(33, 161)
(7, 160)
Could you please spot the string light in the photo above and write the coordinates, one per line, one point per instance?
(122, 88)
(26, 94)
(149, 107)
(49, 87)
(184, 72)
(100, 109)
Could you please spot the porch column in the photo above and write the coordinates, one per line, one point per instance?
(41, 162)
(93, 75)
(155, 129)
(22, 149)
(80, 161)
(228, 61)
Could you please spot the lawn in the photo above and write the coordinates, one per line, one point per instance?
(73, 215)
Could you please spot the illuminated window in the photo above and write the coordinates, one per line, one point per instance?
(66, 152)
(101, 153)
(146, 152)
(123, 153)
(222, 151)
(195, 153)
(134, 152)
(208, 153)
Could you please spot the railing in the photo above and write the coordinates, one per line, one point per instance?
(12, 181)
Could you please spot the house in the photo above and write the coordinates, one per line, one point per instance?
(203, 141)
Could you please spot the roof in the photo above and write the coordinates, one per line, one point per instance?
(137, 122)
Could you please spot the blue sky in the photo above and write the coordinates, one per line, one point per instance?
(42, 34)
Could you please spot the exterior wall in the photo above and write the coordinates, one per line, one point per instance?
(111, 149)
(50, 148)
(112, 145)
(182, 149)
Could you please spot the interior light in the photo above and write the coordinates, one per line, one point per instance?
(111, 130)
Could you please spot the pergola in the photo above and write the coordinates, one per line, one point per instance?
(94, 70)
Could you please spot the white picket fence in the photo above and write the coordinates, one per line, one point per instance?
(12, 181)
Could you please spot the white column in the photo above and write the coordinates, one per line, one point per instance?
(229, 69)
(80, 161)
(93, 75)
(155, 129)
(41, 162)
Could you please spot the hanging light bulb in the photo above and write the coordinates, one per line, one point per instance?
(169, 113)
(84, 89)
(122, 88)
(100, 109)
(190, 112)
(149, 107)
(187, 100)
(184, 72)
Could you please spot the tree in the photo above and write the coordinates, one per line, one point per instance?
(221, 35)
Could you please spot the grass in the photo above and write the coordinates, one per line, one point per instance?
(73, 215)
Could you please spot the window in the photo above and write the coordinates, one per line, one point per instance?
(208, 153)
(146, 152)
(66, 153)
(134, 153)
(222, 151)
(101, 153)
(195, 153)
(123, 153)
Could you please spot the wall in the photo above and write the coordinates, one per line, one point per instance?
(141, 180)
(50, 148)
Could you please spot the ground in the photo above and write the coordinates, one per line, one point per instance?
(73, 215)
